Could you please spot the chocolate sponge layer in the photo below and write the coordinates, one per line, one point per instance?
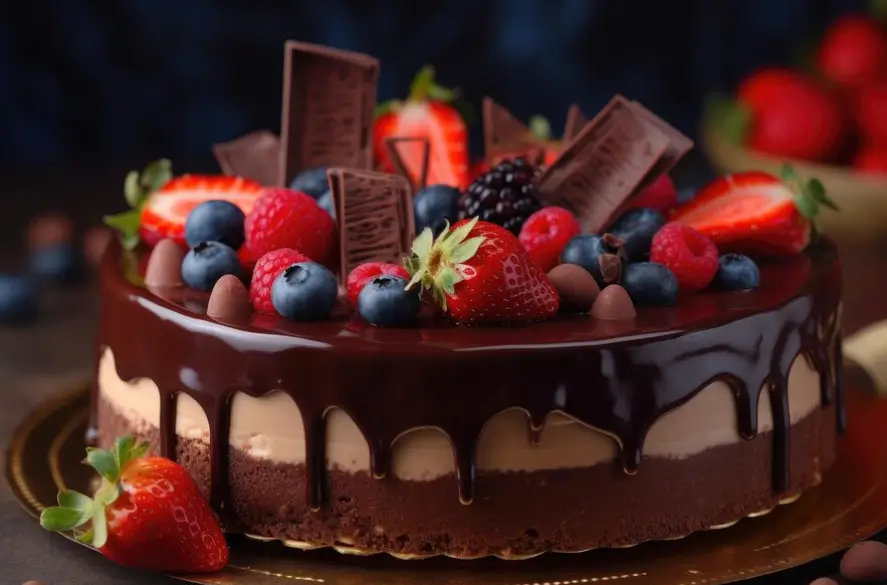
(514, 514)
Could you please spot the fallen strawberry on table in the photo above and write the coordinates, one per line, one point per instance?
(147, 514)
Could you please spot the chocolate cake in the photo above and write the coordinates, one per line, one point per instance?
(557, 433)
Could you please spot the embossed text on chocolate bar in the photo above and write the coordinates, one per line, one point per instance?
(328, 101)
(603, 166)
(375, 214)
(254, 156)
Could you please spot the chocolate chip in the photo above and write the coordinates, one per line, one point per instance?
(95, 241)
(866, 561)
(613, 304)
(611, 268)
(50, 230)
(229, 300)
(575, 286)
(164, 265)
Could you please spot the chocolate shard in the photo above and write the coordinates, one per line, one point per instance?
(679, 144)
(328, 100)
(254, 156)
(403, 163)
(576, 121)
(502, 129)
(612, 159)
(375, 214)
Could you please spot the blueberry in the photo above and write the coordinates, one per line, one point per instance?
(434, 205)
(215, 221)
(384, 301)
(737, 272)
(18, 299)
(56, 262)
(207, 262)
(311, 182)
(650, 284)
(306, 291)
(586, 251)
(636, 229)
(325, 202)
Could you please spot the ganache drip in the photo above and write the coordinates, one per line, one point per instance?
(620, 381)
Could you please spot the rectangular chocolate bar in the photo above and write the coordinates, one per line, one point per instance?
(604, 165)
(328, 100)
(254, 156)
(375, 214)
(679, 144)
(502, 131)
(576, 121)
(392, 145)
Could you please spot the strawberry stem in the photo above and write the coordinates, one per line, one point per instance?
(75, 510)
(810, 196)
(437, 264)
(730, 117)
(137, 188)
(540, 128)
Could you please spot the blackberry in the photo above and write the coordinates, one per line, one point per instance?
(506, 195)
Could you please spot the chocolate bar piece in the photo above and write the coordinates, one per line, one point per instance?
(417, 180)
(255, 156)
(607, 163)
(328, 101)
(502, 130)
(679, 145)
(375, 214)
(576, 121)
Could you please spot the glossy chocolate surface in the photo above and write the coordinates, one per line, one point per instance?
(616, 376)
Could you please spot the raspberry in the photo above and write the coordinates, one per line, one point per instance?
(364, 273)
(282, 218)
(545, 235)
(660, 195)
(692, 257)
(267, 269)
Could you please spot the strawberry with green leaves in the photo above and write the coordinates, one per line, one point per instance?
(756, 213)
(431, 112)
(148, 513)
(478, 272)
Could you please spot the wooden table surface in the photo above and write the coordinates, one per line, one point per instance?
(39, 360)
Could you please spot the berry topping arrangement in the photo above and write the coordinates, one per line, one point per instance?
(148, 513)
(589, 224)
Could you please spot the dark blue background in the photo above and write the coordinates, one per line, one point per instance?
(107, 80)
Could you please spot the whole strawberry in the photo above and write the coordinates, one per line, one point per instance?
(282, 218)
(478, 272)
(853, 52)
(428, 113)
(791, 116)
(148, 513)
(871, 114)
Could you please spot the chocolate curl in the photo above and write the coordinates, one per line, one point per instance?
(391, 146)
(328, 103)
(576, 121)
(254, 156)
(375, 214)
(501, 128)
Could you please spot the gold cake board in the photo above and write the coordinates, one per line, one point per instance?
(849, 505)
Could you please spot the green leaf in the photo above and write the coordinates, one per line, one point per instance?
(423, 242)
(807, 206)
(441, 93)
(447, 279)
(76, 500)
(466, 250)
(458, 235)
(729, 117)
(132, 191)
(156, 175)
(125, 222)
(788, 173)
(817, 192)
(466, 110)
(540, 128)
(60, 519)
(99, 527)
(104, 462)
(422, 83)
(386, 107)
(86, 537)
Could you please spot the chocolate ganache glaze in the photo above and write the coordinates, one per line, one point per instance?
(616, 376)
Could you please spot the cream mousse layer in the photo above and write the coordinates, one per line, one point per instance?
(271, 428)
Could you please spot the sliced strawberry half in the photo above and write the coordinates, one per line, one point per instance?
(427, 113)
(757, 213)
(166, 210)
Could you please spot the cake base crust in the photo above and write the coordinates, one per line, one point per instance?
(514, 514)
